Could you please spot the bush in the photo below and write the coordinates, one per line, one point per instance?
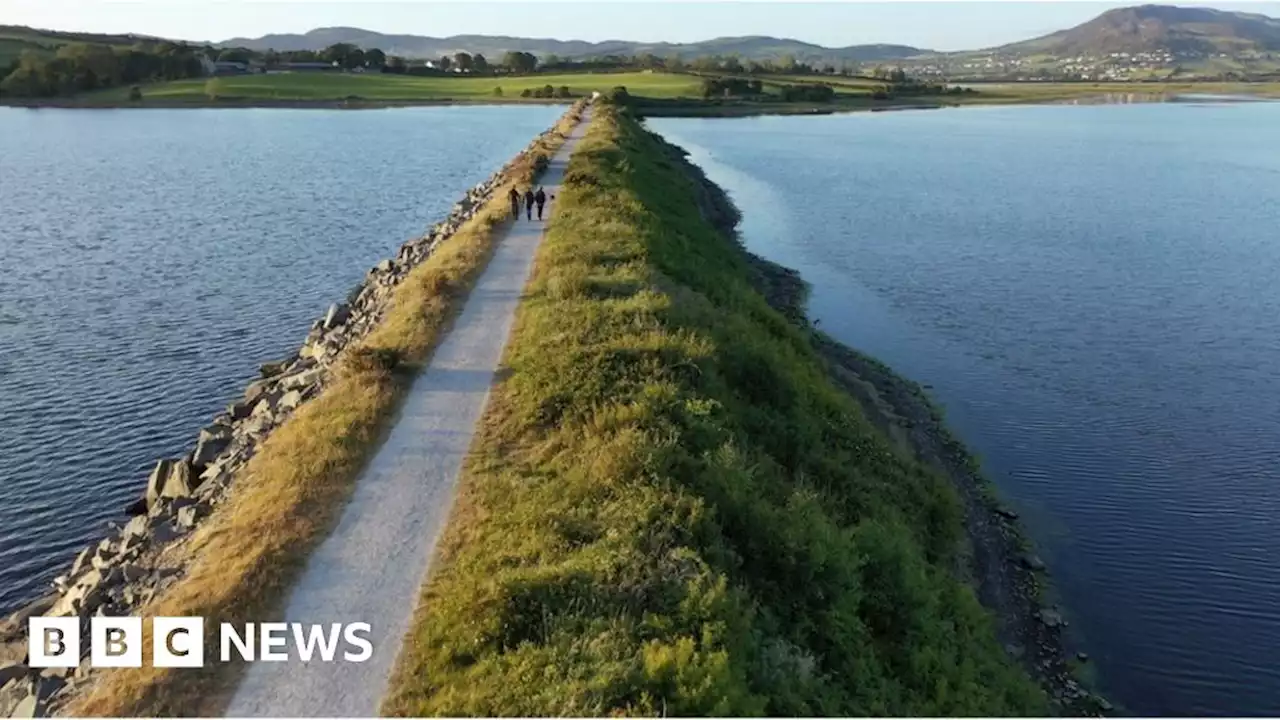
(563, 92)
(135, 94)
(380, 361)
(526, 93)
(618, 96)
(497, 92)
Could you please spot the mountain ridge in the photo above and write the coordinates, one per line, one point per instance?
(755, 47)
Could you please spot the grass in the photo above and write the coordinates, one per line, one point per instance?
(314, 86)
(670, 508)
(249, 553)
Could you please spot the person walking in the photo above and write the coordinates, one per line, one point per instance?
(541, 199)
(528, 203)
(514, 195)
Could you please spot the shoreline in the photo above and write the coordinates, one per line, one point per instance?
(297, 104)
(1009, 579)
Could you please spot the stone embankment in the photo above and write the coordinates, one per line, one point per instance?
(136, 561)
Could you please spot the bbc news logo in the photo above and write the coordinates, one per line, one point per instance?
(178, 642)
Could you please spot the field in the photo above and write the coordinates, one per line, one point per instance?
(316, 86)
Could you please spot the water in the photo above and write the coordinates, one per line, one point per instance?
(151, 259)
(1092, 293)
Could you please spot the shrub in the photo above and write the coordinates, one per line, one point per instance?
(497, 92)
(135, 94)
(563, 92)
(380, 361)
(526, 93)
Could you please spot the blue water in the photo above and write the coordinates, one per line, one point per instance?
(1094, 295)
(151, 259)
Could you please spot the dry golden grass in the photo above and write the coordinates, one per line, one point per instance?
(248, 555)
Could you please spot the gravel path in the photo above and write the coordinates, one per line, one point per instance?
(372, 567)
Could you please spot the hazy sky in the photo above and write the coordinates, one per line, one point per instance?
(935, 25)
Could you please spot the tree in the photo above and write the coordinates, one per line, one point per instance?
(443, 63)
(375, 58)
(675, 64)
(237, 55)
(497, 91)
(463, 61)
(479, 63)
(395, 64)
(214, 88)
(340, 53)
(520, 62)
(135, 94)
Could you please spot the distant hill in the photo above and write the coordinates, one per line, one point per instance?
(14, 40)
(493, 46)
(1148, 28)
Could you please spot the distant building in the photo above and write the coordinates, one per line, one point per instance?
(222, 67)
(309, 66)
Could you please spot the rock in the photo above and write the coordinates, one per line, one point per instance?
(1032, 562)
(190, 515)
(13, 694)
(39, 606)
(1082, 656)
(301, 380)
(82, 560)
(290, 400)
(1103, 705)
(239, 410)
(171, 478)
(137, 527)
(271, 369)
(1051, 618)
(336, 316)
(384, 267)
(137, 507)
(1006, 513)
(82, 598)
(12, 672)
(255, 390)
(212, 441)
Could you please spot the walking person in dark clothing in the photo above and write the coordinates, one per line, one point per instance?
(514, 195)
(541, 199)
(528, 203)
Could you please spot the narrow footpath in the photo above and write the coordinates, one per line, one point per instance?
(372, 567)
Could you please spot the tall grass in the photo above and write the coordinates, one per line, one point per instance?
(249, 553)
(672, 510)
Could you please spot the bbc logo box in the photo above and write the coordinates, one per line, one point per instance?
(178, 642)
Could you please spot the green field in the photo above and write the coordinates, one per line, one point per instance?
(316, 86)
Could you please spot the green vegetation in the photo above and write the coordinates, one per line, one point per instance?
(81, 67)
(247, 556)
(318, 86)
(672, 510)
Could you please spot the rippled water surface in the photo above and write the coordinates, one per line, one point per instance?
(1094, 295)
(150, 259)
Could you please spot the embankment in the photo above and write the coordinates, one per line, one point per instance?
(672, 507)
(222, 531)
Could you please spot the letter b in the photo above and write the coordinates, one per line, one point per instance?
(115, 641)
(53, 642)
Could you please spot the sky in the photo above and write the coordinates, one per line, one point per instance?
(926, 24)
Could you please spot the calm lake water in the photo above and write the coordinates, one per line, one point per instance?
(151, 259)
(1094, 295)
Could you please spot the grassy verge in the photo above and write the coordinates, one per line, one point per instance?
(671, 509)
(248, 555)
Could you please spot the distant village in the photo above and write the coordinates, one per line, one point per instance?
(1115, 66)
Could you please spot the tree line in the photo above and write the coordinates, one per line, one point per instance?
(80, 67)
